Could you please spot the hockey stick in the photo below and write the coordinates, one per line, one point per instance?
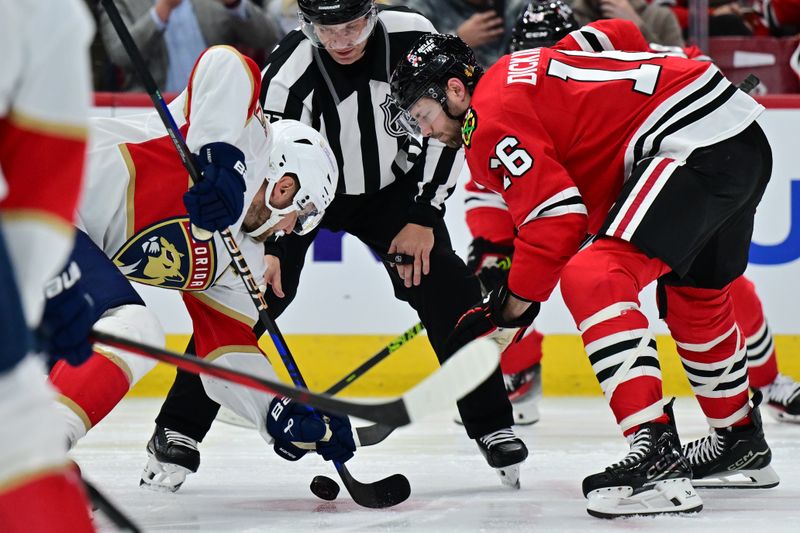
(362, 494)
(113, 513)
(366, 435)
(457, 377)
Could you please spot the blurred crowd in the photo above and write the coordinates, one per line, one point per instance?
(172, 33)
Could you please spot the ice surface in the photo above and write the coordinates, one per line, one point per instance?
(243, 486)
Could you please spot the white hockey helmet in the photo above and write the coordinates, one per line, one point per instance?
(300, 150)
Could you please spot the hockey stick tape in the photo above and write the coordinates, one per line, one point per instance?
(313, 445)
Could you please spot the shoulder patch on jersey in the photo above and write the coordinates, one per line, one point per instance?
(165, 255)
(469, 126)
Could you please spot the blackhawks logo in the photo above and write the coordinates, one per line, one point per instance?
(166, 255)
(468, 128)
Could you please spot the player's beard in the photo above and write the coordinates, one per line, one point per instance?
(257, 214)
(451, 134)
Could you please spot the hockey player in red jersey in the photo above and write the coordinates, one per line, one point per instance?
(134, 227)
(781, 392)
(44, 106)
(550, 23)
(668, 178)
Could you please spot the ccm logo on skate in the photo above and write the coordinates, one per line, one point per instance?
(746, 460)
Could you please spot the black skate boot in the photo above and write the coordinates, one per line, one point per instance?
(783, 399)
(734, 457)
(524, 391)
(504, 451)
(654, 478)
(171, 457)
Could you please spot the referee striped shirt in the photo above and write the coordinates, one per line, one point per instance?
(352, 106)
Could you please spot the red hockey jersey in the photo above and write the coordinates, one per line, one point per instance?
(557, 132)
(486, 213)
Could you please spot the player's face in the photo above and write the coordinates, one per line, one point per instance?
(259, 212)
(434, 122)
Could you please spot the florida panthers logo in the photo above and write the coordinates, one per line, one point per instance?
(166, 255)
(391, 114)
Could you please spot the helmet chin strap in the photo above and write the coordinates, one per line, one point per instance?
(275, 215)
(458, 118)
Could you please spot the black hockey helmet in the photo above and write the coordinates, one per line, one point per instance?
(423, 72)
(329, 12)
(542, 23)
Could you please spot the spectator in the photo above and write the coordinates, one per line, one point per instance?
(173, 33)
(782, 17)
(725, 17)
(485, 25)
(658, 23)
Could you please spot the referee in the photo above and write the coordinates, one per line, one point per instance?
(333, 73)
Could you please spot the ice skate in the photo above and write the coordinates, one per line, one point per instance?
(504, 452)
(654, 478)
(783, 399)
(171, 457)
(524, 391)
(736, 457)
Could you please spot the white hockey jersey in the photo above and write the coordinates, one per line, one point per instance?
(133, 199)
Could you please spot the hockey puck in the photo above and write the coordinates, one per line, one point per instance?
(324, 488)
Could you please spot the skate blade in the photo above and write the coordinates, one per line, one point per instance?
(670, 496)
(509, 476)
(782, 416)
(163, 477)
(763, 478)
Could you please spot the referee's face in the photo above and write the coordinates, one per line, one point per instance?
(344, 42)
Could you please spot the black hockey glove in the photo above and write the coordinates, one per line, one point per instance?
(217, 200)
(297, 429)
(485, 320)
(68, 318)
(490, 261)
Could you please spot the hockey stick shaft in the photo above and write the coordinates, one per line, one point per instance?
(387, 350)
(195, 365)
(113, 513)
(461, 373)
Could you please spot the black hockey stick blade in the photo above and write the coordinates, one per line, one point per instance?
(465, 370)
(380, 494)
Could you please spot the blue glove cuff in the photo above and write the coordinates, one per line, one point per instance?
(224, 155)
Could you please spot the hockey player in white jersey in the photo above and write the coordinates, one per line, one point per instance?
(134, 224)
(44, 105)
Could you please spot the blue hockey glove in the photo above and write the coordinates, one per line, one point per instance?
(217, 200)
(293, 425)
(68, 318)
